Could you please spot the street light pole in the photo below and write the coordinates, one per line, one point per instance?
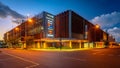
(29, 20)
(25, 38)
(24, 46)
(96, 27)
(42, 36)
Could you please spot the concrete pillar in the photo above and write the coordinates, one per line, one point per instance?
(102, 45)
(38, 44)
(70, 44)
(41, 44)
(80, 45)
(24, 45)
(34, 46)
(11, 46)
(111, 45)
(44, 45)
(96, 45)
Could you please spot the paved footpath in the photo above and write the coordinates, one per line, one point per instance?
(9, 61)
(93, 58)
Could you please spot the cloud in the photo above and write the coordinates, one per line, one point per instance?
(110, 23)
(6, 11)
(115, 32)
(107, 20)
(5, 25)
(6, 16)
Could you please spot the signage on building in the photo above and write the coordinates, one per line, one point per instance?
(50, 26)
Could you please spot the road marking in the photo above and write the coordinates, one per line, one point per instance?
(118, 55)
(96, 50)
(102, 54)
(34, 63)
(75, 59)
(94, 53)
(6, 59)
(110, 55)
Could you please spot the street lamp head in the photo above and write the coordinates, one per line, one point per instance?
(16, 29)
(30, 20)
(8, 33)
(42, 28)
(97, 26)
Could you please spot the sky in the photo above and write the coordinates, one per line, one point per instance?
(106, 13)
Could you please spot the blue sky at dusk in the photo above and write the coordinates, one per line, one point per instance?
(106, 13)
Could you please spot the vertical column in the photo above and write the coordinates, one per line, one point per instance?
(24, 45)
(33, 45)
(111, 45)
(38, 44)
(44, 45)
(11, 46)
(41, 44)
(80, 45)
(70, 44)
(70, 26)
(102, 44)
(96, 45)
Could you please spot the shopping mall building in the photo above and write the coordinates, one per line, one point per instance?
(66, 29)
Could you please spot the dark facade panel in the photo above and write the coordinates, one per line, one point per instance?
(78, 26)
(62, 25)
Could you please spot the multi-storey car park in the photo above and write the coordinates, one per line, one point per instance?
(67, 30)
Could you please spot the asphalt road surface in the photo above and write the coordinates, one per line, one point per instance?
(93, 58)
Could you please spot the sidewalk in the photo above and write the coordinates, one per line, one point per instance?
(58, 49)
(114, 47)
(61, 49)
(53, 49)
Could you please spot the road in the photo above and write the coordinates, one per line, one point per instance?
(93, 58)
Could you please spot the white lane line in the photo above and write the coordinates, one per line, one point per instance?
(118, 55)
(95, 50)
(94, 53)
(5, 59)
(102, 54)
(75, 59)
(34, 63)
(110, 55)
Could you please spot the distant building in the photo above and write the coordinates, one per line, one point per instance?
(66, 29)
(111, 38)
(2, 44)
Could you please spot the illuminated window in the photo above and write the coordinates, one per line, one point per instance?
(50, 32)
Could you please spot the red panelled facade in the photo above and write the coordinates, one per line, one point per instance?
(61, 25)
(80, 28)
